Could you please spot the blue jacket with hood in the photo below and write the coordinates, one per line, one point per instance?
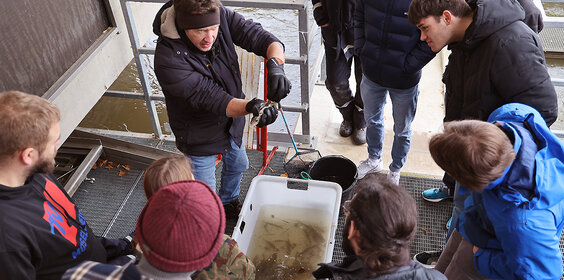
(517, 220)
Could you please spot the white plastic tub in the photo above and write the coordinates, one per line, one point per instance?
(319, 203)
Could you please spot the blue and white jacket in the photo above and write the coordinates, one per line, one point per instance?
(517, 220)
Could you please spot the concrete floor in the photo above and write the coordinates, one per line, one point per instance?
(326, 120)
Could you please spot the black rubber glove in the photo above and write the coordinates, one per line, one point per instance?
(269, 114)
(278, 85)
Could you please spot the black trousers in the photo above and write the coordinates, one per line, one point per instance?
(339, 71)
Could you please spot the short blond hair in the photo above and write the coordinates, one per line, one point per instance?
(473, 152)
(166, 170)
(25, 120)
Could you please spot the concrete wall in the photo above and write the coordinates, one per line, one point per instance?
(78, 94)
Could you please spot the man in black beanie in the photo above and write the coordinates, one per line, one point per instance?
(198, 70)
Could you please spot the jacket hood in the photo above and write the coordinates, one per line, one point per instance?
(489, 17)
(165, 23)
(533, 142)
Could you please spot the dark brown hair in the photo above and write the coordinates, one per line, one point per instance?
(25, 120)
(420, 9)
(164, 171)
(196, 7)
(386, 216)
(473, 152)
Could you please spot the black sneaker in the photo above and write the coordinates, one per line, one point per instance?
(232, 209)
(427, 259)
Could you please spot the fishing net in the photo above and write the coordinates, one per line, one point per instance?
(301, 161)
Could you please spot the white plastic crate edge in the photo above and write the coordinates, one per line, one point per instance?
(320, 190)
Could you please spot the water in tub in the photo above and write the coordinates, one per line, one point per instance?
(289, 242)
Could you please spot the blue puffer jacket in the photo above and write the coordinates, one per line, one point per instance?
(517, 220)
(389, 47)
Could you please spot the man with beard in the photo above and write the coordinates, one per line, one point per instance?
(42, 232)
(376, 236)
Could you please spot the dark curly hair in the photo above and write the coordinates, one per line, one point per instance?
(386, 216)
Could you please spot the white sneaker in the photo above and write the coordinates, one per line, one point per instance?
(394, 177)
(369, 165)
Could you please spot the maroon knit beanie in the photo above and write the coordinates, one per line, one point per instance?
(181, 227)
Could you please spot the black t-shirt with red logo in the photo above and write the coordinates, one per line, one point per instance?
(42, 232)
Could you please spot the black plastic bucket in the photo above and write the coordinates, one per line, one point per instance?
(338, 169)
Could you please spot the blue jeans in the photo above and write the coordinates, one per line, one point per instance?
(404, 104)
(235, 163)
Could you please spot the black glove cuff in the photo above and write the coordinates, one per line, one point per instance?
(250, 105)
(274, 62)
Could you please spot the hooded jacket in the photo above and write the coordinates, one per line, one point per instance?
(517, 220)
(353, 268)
(198, 85)
(388, 45)
(42, 232)
(500, 60)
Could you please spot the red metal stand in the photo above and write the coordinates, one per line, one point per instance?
(262, 133)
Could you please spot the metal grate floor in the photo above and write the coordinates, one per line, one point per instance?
(552, 39)
(112, 203)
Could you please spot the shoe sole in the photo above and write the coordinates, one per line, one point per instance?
(358, 143)
(435, 199)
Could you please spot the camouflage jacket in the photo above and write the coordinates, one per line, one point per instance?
(230, 263)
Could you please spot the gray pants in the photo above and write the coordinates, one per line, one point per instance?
(456, 260)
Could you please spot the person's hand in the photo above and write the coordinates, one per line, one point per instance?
(278, 85)
(266, 114)
(475, 249)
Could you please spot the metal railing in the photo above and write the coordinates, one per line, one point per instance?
(558, 23)
(307, 77)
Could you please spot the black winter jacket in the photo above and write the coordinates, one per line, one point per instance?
(389, 47)
(339, 15)
(353, 268)
(499, 61)
(199, 85)
(42, 232)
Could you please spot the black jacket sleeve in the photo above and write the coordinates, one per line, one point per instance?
(359, 39)
(533, 16)
(418, 57)
(520, 75)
